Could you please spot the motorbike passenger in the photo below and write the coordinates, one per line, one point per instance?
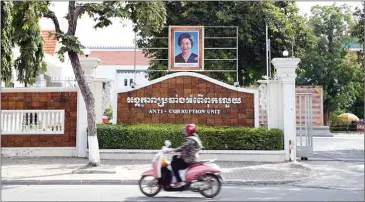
(188, 152)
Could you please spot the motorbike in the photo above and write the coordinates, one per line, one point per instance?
(200, 177)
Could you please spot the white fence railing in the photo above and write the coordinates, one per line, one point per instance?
(58, 81)
(21, 122)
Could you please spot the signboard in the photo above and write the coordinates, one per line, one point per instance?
(187, 97)
(186, 48)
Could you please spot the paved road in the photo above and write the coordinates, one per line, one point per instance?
(338, 163)
(132, 193)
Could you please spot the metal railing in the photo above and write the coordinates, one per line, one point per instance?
(305, 122)
(233, 36)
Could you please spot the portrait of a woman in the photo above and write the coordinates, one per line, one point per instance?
(186, 43)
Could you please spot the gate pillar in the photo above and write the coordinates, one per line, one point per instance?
(285, 71)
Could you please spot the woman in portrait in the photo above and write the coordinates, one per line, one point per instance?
(186, 42)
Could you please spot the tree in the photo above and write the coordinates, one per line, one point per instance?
(145, 13)
(284, 24)
(7, 41)
(358, 29)
(328, 64)
(20, 27)
(359, 32)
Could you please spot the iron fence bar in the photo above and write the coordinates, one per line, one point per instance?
(300, 119)
(204, 59)
(237, 53)
(228, 37)
(306, 120)
(155, 48)
(222, 59)
(152, 48)
(311, 120)
(158, 70)
(219, 48)
(207, 37)
(221, 26)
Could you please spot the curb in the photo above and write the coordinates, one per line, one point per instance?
(135, 182)
(232, 182)
(86, 169)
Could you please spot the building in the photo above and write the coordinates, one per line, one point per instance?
(123, 65)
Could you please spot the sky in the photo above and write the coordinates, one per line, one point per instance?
(121, 34)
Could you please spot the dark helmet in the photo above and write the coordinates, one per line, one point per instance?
(189, 129)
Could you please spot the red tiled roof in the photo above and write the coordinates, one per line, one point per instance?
(120, 57)
(108, 57)
(49, 45)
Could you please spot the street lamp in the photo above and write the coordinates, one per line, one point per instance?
(133, 84)
(285, 53)
(86, 52)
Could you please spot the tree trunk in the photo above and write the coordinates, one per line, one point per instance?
(94, 156)
(326, 115)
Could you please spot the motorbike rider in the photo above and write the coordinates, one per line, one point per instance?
(188, 152)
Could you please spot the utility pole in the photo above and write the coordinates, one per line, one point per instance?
(267, 73)
(292, 47)
(267, 49)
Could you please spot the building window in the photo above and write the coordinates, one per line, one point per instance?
(125, 82)
(130, 81)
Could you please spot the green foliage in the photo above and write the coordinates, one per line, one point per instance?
(145, 13)
(328, 64)
(358, 33)
(26, 17)
(152, 136)
(7, 41)
(284, 23)
(69, 43)
(335, 120)
(109, 112)
(20, 27)
(358, 30)
(344, 128)
(102, 12)
(149, 17)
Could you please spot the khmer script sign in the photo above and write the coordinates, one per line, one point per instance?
(187, 97)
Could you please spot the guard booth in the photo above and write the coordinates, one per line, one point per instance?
(304, 146)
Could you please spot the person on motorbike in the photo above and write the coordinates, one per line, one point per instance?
(188, 152)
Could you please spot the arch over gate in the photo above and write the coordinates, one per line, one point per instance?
(188, 97)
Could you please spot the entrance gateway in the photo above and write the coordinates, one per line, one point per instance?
(305, 125)
(190, 97)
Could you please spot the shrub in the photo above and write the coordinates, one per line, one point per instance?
(152, 136)
(344, 128)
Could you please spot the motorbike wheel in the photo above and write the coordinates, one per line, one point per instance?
(150, 183)
(209, 193)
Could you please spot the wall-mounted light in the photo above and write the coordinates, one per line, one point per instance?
(86, 52)
(285, 53)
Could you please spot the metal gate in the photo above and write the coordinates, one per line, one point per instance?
(304, 122)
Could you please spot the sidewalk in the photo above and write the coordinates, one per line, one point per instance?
(46, 170)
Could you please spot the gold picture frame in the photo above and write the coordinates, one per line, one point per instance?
(188, 55)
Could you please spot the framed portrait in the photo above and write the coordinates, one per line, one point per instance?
(186, 48)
